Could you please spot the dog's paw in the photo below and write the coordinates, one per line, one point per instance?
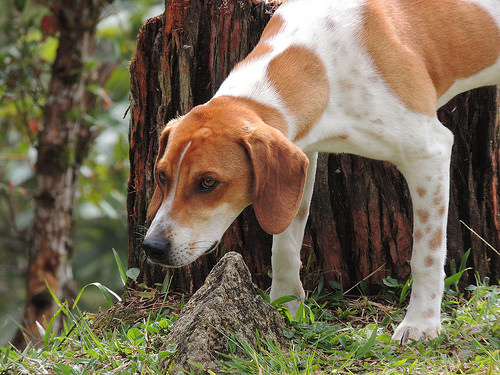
(416, 331)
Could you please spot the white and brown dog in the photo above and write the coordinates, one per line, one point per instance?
(356, 76)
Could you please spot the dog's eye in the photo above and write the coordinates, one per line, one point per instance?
(207, 184)
(162, 178)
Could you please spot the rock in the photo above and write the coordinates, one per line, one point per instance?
(227, 305)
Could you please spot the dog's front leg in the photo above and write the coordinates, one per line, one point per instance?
(287, 245)
(428, 177)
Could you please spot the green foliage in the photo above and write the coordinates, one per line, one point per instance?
(326, 342)
(27, 49)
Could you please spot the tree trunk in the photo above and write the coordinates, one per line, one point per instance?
(361, 219)
(63, 143)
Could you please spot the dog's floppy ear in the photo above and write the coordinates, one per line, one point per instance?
(279, 169)
(157, 199)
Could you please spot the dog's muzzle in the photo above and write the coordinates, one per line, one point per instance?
(157, 249)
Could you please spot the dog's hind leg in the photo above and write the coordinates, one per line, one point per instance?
(287, 245)
(425, 164)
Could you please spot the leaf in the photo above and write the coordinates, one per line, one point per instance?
(133, 273)
(49, 333)
(368, 345)
(121, 267)
(135, 336)
(463, 263)
(453, 279)
(406, 290)
(264, 295)
(105, 291)
(300, 315)
(391, 282)
(282, 300)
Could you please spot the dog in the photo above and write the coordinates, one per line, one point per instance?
(345, 76)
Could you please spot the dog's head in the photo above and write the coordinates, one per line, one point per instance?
(211, 164)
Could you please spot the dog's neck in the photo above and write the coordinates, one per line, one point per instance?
(268, 114)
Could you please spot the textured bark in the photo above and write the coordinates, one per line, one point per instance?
(475, 167)
(62, 145)
(227, 307)
(361, 219)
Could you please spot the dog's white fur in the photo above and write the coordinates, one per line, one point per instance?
(365, 113)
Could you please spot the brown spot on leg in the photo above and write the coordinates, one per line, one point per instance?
(418, 235)
(303, 212)
(437, 193)
(421, 192)
(436, 240)
(429, 261)
(429, 313)
(437, 200)
(423, 215)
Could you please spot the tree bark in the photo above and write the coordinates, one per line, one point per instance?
(361, 220)
(63, 143)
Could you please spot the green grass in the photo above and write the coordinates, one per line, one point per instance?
(332, 335)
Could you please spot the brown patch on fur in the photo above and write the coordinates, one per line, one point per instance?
(271, 116)
(433, 296)
(299, 76)
(260, 50)
(442, 210)
(303, 212)
(418, 235)
(437, 200)
(436, 240)
(273, 27)
(421, 192)
(422, 47)
(437, 193)
(429, 261)
(429, 313)
(263, 47)
(423, 215)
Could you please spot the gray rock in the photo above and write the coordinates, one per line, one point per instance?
(227, 305)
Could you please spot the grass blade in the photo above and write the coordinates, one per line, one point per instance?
(121, 267)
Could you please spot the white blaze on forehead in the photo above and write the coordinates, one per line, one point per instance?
(177, 173)
(162, 218)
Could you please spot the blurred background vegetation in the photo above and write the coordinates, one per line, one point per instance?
(28, 46)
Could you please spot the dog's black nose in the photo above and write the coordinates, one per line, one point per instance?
(157, 249)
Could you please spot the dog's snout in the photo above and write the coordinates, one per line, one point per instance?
(157, 249)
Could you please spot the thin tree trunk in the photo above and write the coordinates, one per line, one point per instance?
(361, 220)
(63, 143)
